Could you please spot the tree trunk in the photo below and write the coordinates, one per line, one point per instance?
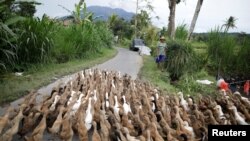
(136, 12)
(195, 17)
(171, 18)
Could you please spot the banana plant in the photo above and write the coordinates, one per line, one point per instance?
(80, 9)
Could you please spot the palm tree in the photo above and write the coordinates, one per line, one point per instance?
(171, 18)
(195, 17)
(111, 20)
(230, 23)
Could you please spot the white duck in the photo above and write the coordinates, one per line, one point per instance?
(95, 96)
(107, 100)
(53, 106)
(76, 105)
(82, 75)
(153, 107)
(71, 97)
(113, 84)
(240, 120)
(89, 115)
(183, 102)
(189, 128)
(126, 106)
(116, 107)
(156, 94)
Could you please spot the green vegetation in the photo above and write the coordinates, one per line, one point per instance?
(199, 60)
(13, 87)
(44, 48)
(181, 59)
(187, 84)
(227, 55)
(181, 32)
(149, 72)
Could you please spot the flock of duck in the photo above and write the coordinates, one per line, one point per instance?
(105, 106)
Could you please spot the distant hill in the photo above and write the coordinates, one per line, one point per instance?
(104, 12)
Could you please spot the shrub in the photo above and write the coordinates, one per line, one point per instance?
(180, 59)
(105, 34)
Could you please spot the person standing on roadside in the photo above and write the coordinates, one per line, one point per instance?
(161, 53)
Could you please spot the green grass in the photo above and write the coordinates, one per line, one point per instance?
(187, 83)
(150, 73)
(200, 47)
(13, 87)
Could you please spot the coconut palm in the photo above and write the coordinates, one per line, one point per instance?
(112, 20)
(195, 17)
(229, 23)
(171, 18)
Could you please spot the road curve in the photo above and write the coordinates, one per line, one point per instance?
(126, 61)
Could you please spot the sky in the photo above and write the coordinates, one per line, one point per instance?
(213, 12)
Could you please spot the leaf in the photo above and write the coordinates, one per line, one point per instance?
(13, 20)
(1, 64)
(6, 28)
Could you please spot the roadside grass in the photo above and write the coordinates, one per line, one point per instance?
(187, 83)
(13, 87)
(150, 73)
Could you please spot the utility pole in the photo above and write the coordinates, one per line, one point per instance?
(136, 18)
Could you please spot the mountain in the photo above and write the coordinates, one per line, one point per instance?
(104, 12)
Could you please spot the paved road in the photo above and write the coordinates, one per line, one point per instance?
(125, 61)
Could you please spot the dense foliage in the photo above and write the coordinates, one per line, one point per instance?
(227, 55)
(181, 59)
(30, 41)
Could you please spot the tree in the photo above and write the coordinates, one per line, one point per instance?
(229, 23)
(120, 27)
(148, 7)
(143, 21)
(25, 8)
(195, 17)
(80, 14)
(111, 20)
(171, 18)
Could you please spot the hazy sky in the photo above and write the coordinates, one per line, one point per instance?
(213, 12)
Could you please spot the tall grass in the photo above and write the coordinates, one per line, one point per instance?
(64, 44)
(181, 59)
(81, 41)
(181, 32)
(228, 57)
(35, 41)
(242, 65)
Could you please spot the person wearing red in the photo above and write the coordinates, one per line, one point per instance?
(222, 85)
(246, 87)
